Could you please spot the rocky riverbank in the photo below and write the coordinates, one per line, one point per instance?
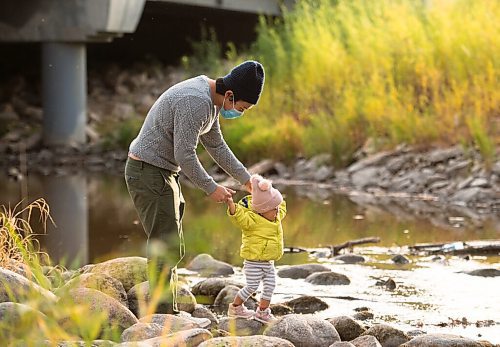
(117, 287)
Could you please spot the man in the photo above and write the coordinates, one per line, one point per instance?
(181, 117)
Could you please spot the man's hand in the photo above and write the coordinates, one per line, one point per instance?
(221, 194)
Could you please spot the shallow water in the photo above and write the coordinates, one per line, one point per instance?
(96, 221)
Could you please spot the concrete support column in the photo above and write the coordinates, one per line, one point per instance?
(64, 74)
(68, 242)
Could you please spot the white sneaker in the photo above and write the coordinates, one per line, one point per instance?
(239, 312)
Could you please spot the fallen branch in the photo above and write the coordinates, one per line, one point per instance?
(336, 248)
(483, 247)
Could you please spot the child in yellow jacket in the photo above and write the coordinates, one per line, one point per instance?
(259, 217)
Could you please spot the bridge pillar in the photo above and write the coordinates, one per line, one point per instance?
(64, 71)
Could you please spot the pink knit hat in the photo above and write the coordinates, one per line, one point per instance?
(264, 196)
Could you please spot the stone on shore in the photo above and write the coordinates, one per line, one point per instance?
(328, 278)
(141, 331)
(304, 330)
(139, 299)
(185, 338)
(301, 271)
(128, 270)
(306, 304)
(227, 295)
(363, 315)
(18, 319)
(170, 323)
(201, 311)
(350, 258)
(387, 335)
(101, 282)
(207, 290)
(207, 266)
(366, 341)
(17, 288)
(441, 340)
(347, 327)
(118, 316)
(484, 272)
(400, 259)
(247, 341)
(342, 344)
(242, 326)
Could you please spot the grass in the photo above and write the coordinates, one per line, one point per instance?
(340, 72)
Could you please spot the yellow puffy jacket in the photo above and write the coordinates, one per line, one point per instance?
(261, 239)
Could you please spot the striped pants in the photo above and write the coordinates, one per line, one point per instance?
(255, 272)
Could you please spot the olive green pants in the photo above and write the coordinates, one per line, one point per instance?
(158, 199)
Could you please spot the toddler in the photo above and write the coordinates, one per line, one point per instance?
(259, 217)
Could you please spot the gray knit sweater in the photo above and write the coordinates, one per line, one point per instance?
(183, 115)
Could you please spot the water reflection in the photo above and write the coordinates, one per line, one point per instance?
(96, 221)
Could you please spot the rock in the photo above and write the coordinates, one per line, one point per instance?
(342, 344)
(366, 177)
(363, 315)
(169, 323)
(366, 341)
(302, 330)
(400, 259)
(201, 311)
(207, 290)
(141, 331)
(390, 284)
(301, 271)
(185, 338)
(139, 300)
(134, 344)
(103, 283)
(119, 317)
(21, 318)
(262, 167)
(378, 159)
(203, 323)
(227, 295)
(387, 335)
(247, 341)
(323, 173)
(350, 258)
(459, 168)
(14, 287)
(128, 270)
(347, 327)
(306, 304)
(280, 309)
(480, 182)
(207, 266)
(441, 155)
(465, 196)
(241, 326)
(95, 343)
(328, 278)
(484, 272)
(441, 340)
(415, 333)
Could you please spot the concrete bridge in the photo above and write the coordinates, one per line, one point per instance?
(65, 29)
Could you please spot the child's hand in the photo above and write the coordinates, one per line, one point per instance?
(230, 203)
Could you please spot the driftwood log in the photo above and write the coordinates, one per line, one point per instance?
(334, 249)
(482, 247)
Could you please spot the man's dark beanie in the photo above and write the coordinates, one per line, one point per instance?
(246, 81)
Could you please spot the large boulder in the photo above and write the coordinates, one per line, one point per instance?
(128, 270)
(227, 295)
(119, 317)
(201, 311)
(170, 323)
(387, 335)
(207, 266)
(207, 290)
(18, 320)
(350, 258)
(304, 330)
(103, 283)
(185, 338)
(141, 331)
(342, 344)
(139, 300)
(328, 278)
(301, 271)
(247, 341)
(306, 304)
(241, 326)
(347, 327)
(17, 288)
(441, 340)
(366, 341)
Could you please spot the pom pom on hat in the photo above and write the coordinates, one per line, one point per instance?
(264, 196)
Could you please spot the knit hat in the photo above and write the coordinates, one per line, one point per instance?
(264, 196)
(246, 81)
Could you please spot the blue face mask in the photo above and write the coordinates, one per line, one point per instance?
(229, 114)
